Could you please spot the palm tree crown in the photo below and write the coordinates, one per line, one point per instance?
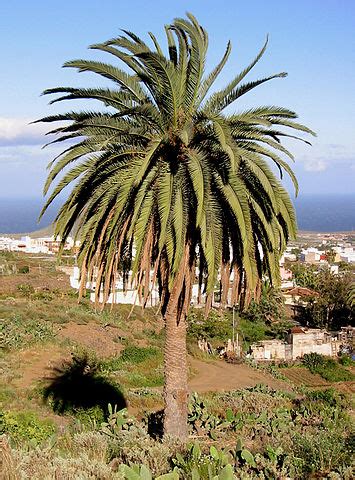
(164, 179)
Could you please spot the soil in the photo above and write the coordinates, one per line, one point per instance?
(221, 376)
(100, 339)
(39, 281)
(37, 363)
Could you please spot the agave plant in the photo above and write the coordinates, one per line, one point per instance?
(164, 182)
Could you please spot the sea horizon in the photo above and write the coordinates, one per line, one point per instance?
(315, 213)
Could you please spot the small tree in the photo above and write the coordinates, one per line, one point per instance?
(269, 308)
(332, 307)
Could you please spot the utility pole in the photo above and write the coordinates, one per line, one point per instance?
(235, 306)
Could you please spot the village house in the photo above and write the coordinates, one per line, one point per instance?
(299, 342)
(295, 296)
(27, 244)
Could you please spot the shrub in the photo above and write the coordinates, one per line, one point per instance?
(91, 417)
(49, 464)
(25, 269)
(94, 445)
(346, 361)
(25, 289)
(26, 426)
(313, 361)
(328, 396)
(135, 446)
(322, 451)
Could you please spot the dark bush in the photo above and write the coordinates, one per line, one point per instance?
(24, 269)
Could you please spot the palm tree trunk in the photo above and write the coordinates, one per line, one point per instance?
(175, 371)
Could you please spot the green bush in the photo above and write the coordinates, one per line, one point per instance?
(90, 417)
(214, 327)
(25, 426)
(346, 361)
(322, 451)
(25, 269)
(328, 396)
(326, 367)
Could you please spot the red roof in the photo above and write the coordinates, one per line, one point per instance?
(297, 330)
(302, 292)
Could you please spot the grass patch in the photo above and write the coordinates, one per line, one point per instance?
(21, 332)
(137, 355)
(136, 367)
(25, 426)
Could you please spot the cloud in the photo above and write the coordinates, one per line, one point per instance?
(23, 169)
(315, 165)
(326, 157)
(19, 131)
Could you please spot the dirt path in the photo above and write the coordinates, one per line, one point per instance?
(221, 376)
(37, 363)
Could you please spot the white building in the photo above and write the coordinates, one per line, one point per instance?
(300, 341)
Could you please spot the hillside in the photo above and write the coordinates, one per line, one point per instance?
(62, 363)
(43, 232)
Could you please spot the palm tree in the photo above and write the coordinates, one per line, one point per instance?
(165, 182)
(351, 295)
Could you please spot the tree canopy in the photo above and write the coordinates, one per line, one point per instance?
(164, 178)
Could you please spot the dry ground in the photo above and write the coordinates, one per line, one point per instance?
(221, 376)
(37, 363)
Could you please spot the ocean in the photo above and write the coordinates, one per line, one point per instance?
(318, 213)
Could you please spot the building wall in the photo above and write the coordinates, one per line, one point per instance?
(298, 345)
(302, 348)
(269, 350)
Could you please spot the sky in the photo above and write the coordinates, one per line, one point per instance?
(312, 40)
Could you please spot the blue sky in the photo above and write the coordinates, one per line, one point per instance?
(312, 40)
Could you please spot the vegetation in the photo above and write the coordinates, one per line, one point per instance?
(332, 307)
(258, 432)
(269, 308)
(57, 421)
(326, 367)
(166, 173)
(252, 325)
(19, 332)
(351, 295)
(26, 427)
(138, 367)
